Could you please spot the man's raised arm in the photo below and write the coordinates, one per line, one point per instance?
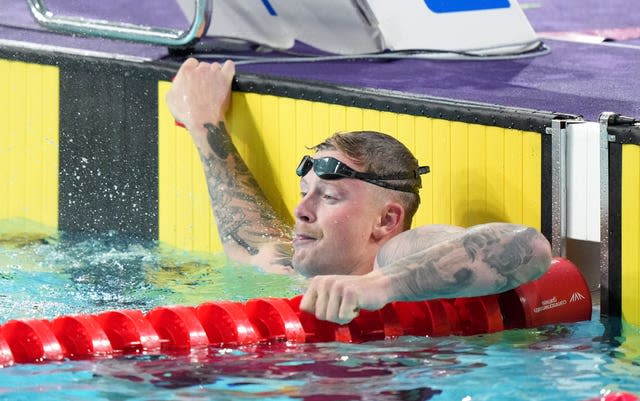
(249, 228)
(485, 259)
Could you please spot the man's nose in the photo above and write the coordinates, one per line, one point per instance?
(304, 210)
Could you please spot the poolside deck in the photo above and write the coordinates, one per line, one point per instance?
(574, 78)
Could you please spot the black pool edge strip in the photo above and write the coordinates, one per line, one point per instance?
(369, 98)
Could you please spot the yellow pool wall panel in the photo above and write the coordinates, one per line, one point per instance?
(478, 173)
(630, 229)
(29, 137)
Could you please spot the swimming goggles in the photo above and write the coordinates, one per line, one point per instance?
(329, 168)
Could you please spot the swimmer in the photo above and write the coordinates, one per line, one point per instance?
(352, 234)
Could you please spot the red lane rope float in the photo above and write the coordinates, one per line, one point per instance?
(178, 327)
(129, 331)
(6, 357)
(617, 396)
(275, 320)
(32, 341)
(479, 314)
(429, 318)
(226, 323)
(81, 336)
(559, 296)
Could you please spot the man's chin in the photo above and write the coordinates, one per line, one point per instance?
(304, 268)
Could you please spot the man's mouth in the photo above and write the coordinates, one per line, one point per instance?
(300, 239)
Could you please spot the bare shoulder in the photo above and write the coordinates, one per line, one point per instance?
(416, 240)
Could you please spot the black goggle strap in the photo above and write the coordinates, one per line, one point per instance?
(395, 176)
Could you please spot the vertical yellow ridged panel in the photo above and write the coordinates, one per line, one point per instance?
(441, 196)
(167, 170)
(337, 119)
(459, 174)
(319, 123)
(29, 126)
(407, 131)
(495, 170)
(354, 119)
(303, 128)
(303, 133)
(423, 151)
(270, 135)
(51, 138)
(531, 179)
(290, 155)
(477, 187)
(389, 123)
(243, 121)
(41, 141)
(630, 228)
(371, 120)
(5, 96)
(186, 161)
(513, 175)
(17, 138)
(33, 143)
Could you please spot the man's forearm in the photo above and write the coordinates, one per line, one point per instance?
(486, 259)
(245, 218)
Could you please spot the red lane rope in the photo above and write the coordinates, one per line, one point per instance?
(560, 296)
(617, 396)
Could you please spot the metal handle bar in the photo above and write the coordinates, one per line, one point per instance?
(123, 30)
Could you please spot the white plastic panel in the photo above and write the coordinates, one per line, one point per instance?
(583, 181)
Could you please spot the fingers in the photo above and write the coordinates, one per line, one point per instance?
(308, 302)
(189, 64)
(229, 69)
(188, 100)
(349, 308)
(332, 298)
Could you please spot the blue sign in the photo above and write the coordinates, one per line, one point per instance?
(454, 6)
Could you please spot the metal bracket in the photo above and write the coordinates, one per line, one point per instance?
(125, 31)
(604, 119)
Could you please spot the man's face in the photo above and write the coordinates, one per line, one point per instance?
(334, 224)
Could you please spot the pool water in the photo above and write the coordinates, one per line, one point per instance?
(53, 275)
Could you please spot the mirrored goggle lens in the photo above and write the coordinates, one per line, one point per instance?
(327, 168)
(304, 166)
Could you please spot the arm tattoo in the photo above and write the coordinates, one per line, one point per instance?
(488, 259)
(440, 276)
(243, 214)
(219, 140)
(503, 257)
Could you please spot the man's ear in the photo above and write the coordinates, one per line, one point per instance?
(391, 221)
